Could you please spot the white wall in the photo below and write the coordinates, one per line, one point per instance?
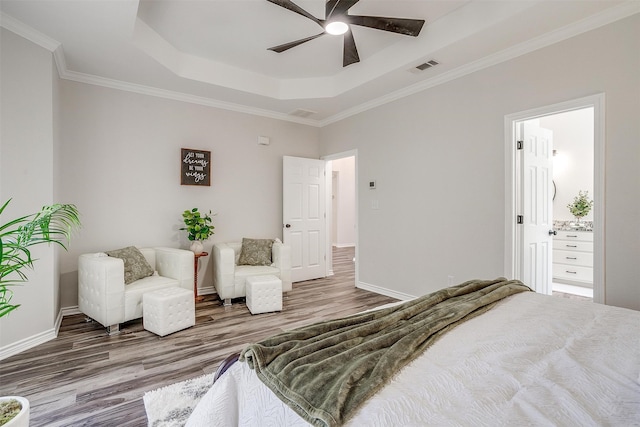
(120, 165)
(441, 181)
(573, 159)
(345, 201)
(26, 175)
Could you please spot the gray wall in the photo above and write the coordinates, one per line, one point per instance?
(438, 157)
(27, 176)
(120, 164)
(116, 155)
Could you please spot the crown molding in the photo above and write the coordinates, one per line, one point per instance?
(46, 42)
(180, 96)
(61, 62)
(591, 23)
(624, 10)
(25, 31)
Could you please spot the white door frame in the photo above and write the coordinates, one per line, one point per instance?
(327, 158)
(513, 239)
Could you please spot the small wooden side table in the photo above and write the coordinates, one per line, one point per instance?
(196, 257)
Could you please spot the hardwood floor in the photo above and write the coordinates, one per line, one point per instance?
(86, 378)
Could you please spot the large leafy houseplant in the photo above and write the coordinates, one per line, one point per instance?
(53, 224)
(197, 225)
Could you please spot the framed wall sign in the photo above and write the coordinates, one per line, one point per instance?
(195, 167)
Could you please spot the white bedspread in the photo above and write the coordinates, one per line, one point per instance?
(531, 360)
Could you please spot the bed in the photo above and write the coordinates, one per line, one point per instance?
(529, 359)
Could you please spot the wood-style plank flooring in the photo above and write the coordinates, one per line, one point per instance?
(86, 378)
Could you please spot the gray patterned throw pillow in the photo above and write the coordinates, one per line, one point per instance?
(135, 264)
(255, 252)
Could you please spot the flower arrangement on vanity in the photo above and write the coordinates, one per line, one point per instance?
(580, 207)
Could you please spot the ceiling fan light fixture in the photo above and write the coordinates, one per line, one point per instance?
(336, 28)
(338, 21)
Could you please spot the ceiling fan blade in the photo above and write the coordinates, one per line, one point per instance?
(350, 53)
(338, 7)
(408, 27)
(281, 48)
(288, 4)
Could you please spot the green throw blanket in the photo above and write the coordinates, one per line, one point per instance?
(326, 371)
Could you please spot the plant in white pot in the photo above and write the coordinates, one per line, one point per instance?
(581, 206)
(199, 227)
(14, 411)
(53, 224)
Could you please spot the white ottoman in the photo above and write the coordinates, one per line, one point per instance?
(168, 310)
(264, 294)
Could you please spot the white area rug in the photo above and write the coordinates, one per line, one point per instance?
(171, 406)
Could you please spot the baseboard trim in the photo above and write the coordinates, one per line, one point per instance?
(70, 311)
(59, 317)
(37, 339)
(41, 338)
(384, 291)
(28, 343)
(207, 290)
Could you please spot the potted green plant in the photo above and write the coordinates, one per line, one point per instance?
(581, 206)
(52, 224)
(14, 411)
(198, 226)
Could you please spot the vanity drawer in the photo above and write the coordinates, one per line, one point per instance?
(584, 236)
(573, 258)
(573, 272)
(567, 245)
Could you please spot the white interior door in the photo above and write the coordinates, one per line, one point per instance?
(537, 209)
(304, 217)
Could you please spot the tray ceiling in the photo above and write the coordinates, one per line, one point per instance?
(214, 52)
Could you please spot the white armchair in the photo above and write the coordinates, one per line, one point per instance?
(229, 278)
(103, 295)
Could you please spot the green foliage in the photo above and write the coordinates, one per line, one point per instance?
(581, 205)
(51, 225)
(9, 409)
(198, 226)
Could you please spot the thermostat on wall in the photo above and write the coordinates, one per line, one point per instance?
(372, 185)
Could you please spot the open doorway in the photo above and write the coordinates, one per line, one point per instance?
(518, 246)
(571, 133)
(573, 178)
(343, 216)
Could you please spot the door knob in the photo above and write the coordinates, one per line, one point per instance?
(287, 225)
(553, 232)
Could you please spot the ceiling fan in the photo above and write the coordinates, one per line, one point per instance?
(337, 21)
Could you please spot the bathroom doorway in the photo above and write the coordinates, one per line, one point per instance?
(572, 158)
(518, 252)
